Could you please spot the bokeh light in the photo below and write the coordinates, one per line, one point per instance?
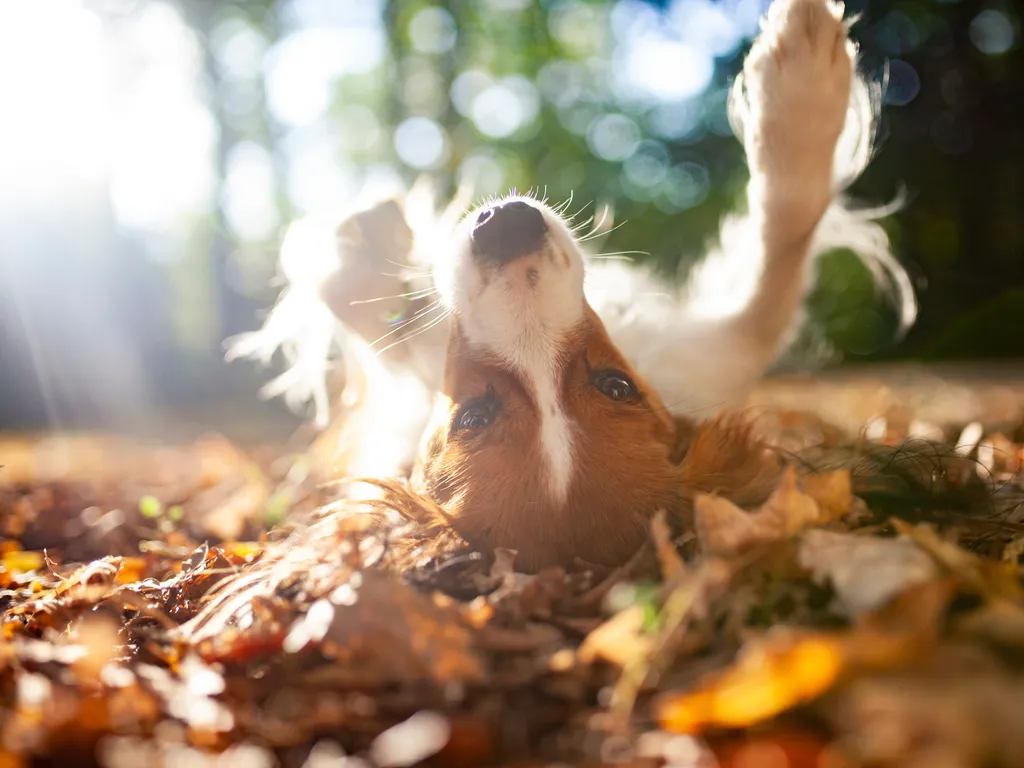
(189, 135)
(506, 106)
(249, 193)
(992, 32)
(420, 143)
(432, 30)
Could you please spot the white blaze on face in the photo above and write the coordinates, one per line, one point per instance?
(522, 310)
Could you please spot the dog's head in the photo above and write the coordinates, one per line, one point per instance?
(545, 439)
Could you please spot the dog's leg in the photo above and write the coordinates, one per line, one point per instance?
(797, 79)
(706, 350)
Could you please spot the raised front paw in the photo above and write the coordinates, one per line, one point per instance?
(797, 79)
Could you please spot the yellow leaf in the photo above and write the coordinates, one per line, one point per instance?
(992, 579)
(768, 678)
(132, 569)
(832, 491)
(18, 562)
(243, 551)
(618, 640)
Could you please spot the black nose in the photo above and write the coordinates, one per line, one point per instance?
(503, 233)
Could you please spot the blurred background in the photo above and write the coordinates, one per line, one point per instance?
(152, 153)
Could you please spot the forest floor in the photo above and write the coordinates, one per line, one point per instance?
(205, 599)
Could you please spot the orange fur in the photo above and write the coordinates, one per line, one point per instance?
(632, 459)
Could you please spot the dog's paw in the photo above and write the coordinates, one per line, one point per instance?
(797, 79)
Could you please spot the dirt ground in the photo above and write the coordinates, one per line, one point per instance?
(203, 599)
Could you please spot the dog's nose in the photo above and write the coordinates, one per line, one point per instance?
(505, 232)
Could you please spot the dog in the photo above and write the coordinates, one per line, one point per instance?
(550, 405)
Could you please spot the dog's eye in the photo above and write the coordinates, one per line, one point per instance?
(473, 418)
(477, 414)
(615, 385)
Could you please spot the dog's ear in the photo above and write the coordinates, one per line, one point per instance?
(363, 291)
(726, 457)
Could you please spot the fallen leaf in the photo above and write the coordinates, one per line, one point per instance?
(777, 749)
(1013, 550)
(945, 720)
(785, 668)
(999, 456)
(865, 571)
(132, 569)
(969, 438)
(992, 579)
(832, 491)
(19, 562)
(239, 552)
(421, 736)
(770, 675)
(904, 630)
(618, 640)
(723, 528)
(672, 566)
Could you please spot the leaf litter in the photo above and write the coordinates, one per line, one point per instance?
(869, 611)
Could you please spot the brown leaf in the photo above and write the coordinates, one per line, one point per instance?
(724, 529)
(672, 566)
(995, 580)
(786, 668)
(619, 640)
(389, 631)
(832, 491)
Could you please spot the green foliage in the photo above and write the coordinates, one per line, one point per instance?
(947, 134)
(150, 506)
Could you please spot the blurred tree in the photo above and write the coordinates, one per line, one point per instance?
(619, 103)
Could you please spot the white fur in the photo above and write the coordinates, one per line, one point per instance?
(523, 326)
(701, 347)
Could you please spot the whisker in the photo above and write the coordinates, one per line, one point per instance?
(564, 204)
(418, 332)
(400, 265)
(430, 307)
(423, 292)
(605, 212)
(581, 210)
(620, 253)
(582, 225)
(594, 234)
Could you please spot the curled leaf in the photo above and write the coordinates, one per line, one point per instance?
(725, 529)
(832, 491)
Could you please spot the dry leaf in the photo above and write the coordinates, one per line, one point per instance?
(723, 528)
(19, 562)
(999, 456)
(833, 492)
(904, 630)
(992, 579)
(781, 670)
(865, 571)
(770, 675)
(672, 566)
(1013, 550)
(619, 640)
(949, 720)
(133, 569)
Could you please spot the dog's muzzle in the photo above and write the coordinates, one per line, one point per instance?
(506, 232)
